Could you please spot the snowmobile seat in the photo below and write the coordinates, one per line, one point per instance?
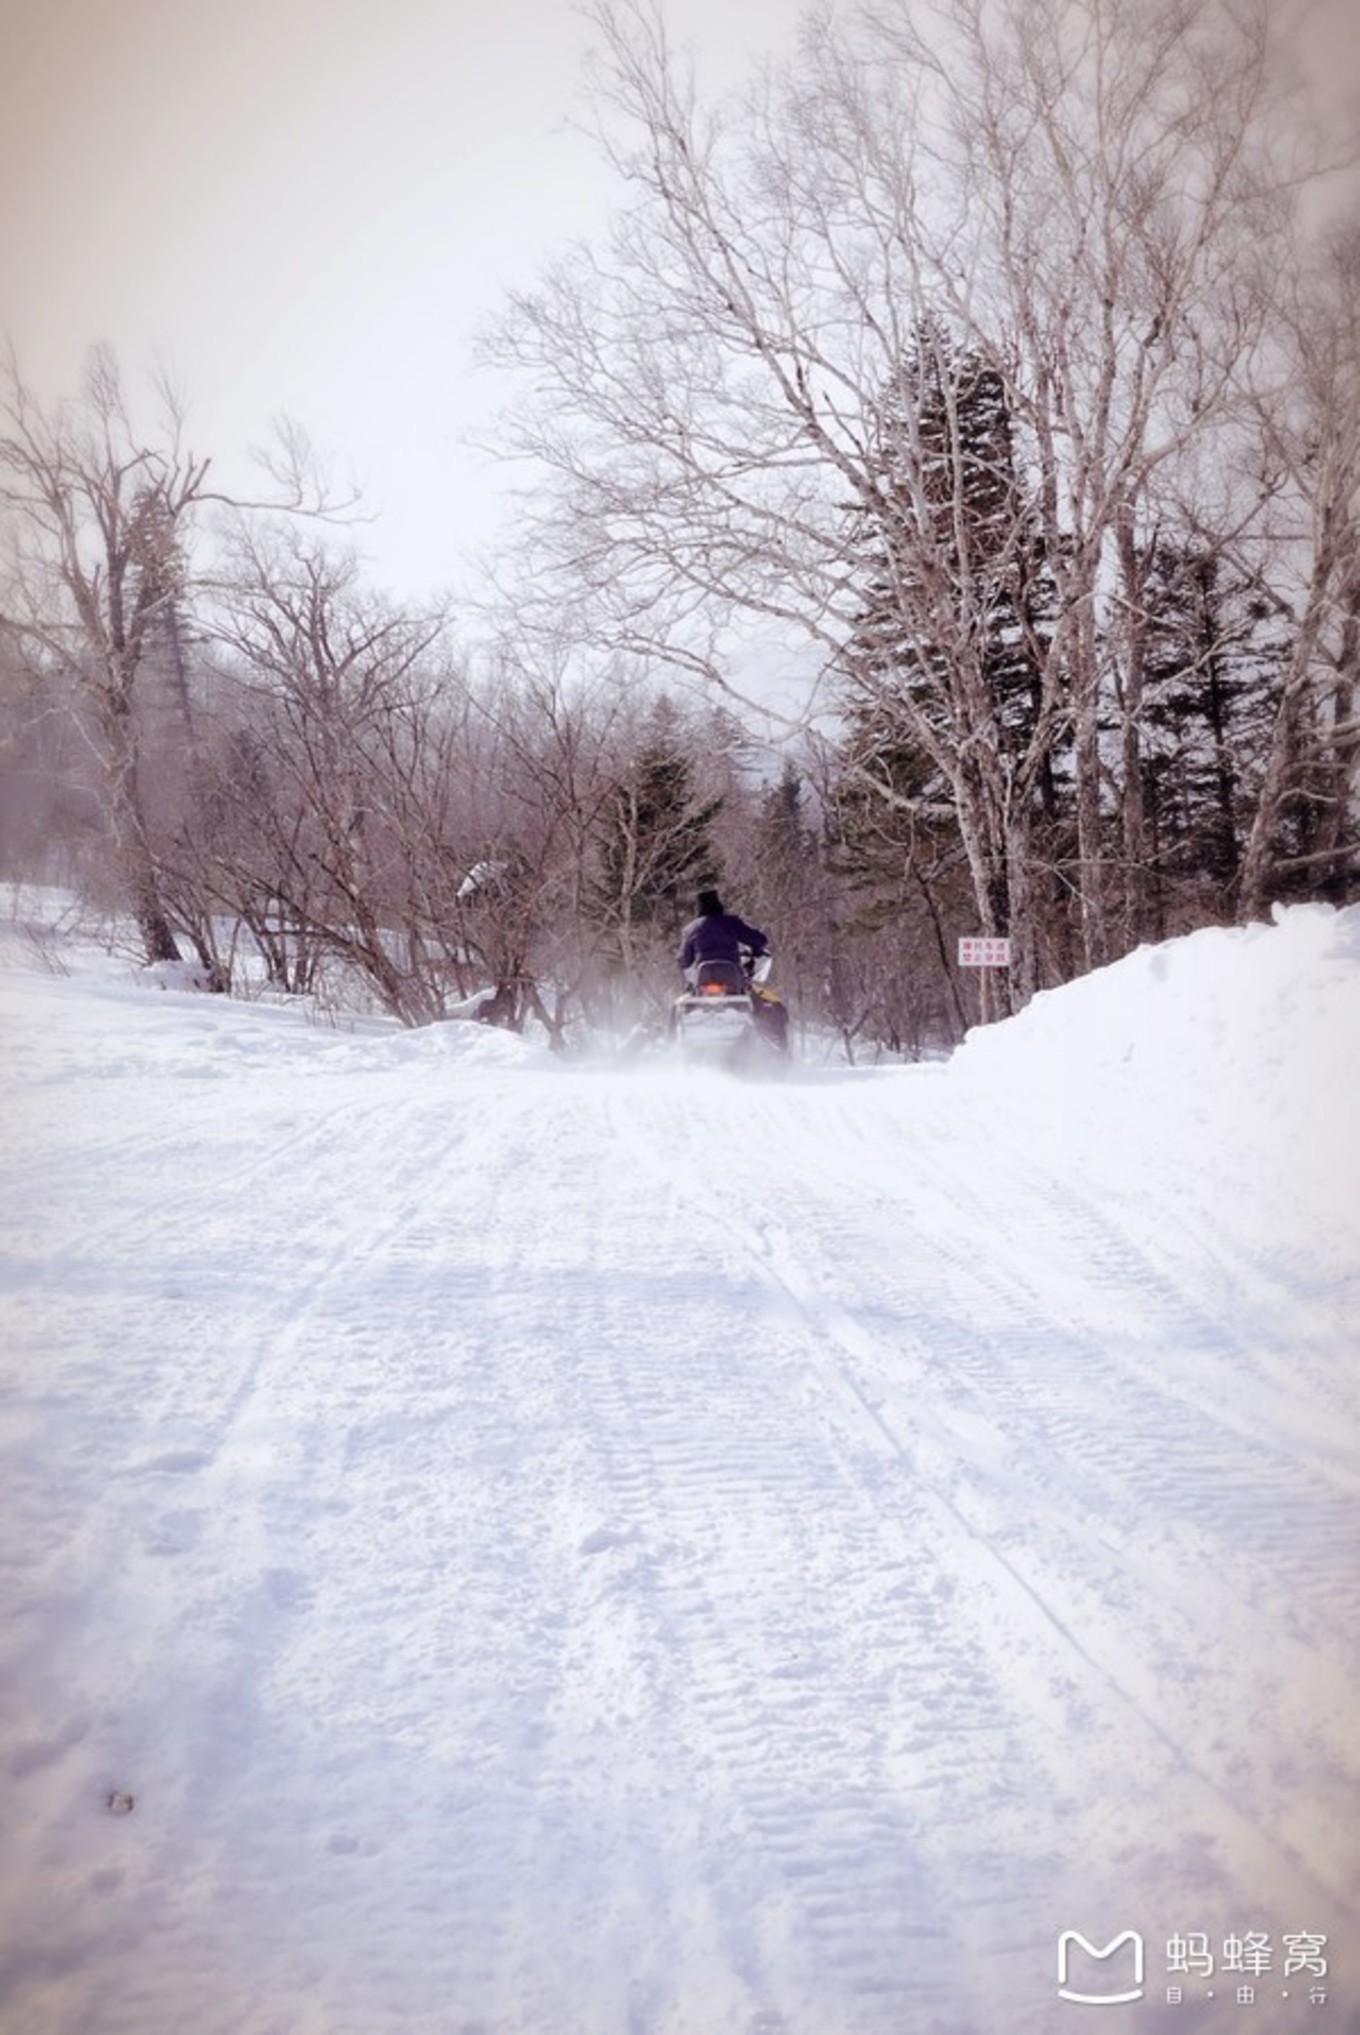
(726, 975)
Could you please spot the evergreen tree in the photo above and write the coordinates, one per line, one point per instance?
(1213, 656)
(952, 748)
(656, 845)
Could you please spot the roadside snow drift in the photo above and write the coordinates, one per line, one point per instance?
(501, 1548)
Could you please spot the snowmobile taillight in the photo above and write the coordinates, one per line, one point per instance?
(712, 989)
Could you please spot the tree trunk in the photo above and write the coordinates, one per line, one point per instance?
(1133, 798)
(132, 841)
(1258, 862)
(1021, 898)
(1090, 842)
(985, 847)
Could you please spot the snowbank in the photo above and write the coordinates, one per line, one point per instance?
(1235, 1045)
(1266, 996)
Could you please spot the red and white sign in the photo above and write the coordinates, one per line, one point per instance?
(976, 951)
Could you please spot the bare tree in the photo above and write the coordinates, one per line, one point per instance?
(549, 751)
(1310, 442)
(99, 520)
(349, 754)
(1085, 195)
(596, 794)
(1133, 173)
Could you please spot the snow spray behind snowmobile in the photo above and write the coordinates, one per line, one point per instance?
(728, 1017)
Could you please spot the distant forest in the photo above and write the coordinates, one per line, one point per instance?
(1002, 362)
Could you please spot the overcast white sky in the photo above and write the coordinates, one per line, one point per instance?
(307, 206)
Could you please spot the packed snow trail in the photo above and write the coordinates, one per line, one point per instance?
(565, 1551)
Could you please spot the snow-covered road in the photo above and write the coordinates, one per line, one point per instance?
(581, 1551)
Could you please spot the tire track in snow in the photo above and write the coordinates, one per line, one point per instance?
(1182, 1483)
(1095, 1657)
(1175, 1453)
(265, 1630)
(858, 1536)
(440, 1687)
(756, 1693)
(644, 1504)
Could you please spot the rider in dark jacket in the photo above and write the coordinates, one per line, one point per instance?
(718, 935)
(721, 936)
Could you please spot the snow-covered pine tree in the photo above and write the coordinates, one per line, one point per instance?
(1213, 664)
(950, 688)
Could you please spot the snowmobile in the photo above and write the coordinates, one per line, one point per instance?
(727, 1017)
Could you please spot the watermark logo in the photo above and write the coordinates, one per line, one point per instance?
(1112, 1974)
(1129, 1975)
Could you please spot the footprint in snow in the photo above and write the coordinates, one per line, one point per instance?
(288, 1590)
(176, 1463)
(606, 1538)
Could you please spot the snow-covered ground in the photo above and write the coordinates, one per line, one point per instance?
(560, 1550)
